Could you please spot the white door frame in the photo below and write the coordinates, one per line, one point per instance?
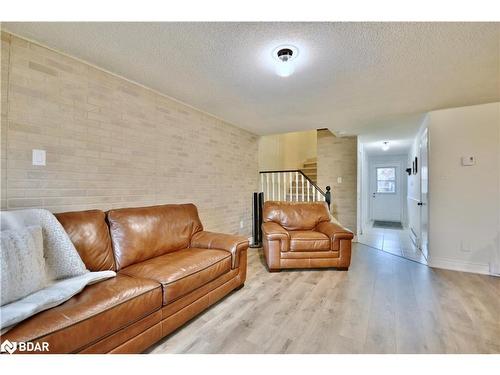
(398, 161)
(424, 209)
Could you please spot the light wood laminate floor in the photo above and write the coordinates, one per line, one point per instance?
(383, 304)
(394, 241)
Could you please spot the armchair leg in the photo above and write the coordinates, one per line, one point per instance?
(343, 268)
(239, 287)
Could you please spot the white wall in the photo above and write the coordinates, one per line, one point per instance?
(270, 153)
(495, 258)
(464, 203)
(360, 188)
(413, 182)
(364, 188)
(287, 150)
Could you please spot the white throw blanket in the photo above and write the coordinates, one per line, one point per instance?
(66, 272)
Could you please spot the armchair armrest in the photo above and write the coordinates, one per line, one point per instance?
(210, 240)
(274, 232)
(336, 233)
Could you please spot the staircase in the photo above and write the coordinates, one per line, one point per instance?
(310, 169)
(298, 185)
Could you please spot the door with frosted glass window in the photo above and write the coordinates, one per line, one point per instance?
(385, 192)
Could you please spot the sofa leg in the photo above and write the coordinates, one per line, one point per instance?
(343, 268)
(274, 270)
(239, 287)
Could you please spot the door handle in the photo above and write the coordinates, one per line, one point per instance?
(420, 203)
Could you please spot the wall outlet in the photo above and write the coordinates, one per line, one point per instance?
(468, 161)
(38, 157)
(339, 180)
(242, 224)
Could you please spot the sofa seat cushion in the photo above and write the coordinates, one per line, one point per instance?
(182, 271)
(96, 312)
(309, 241)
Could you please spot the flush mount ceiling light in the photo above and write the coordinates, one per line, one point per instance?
(285, 56)
(385, 146)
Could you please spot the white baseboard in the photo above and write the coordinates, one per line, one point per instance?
(459, 265)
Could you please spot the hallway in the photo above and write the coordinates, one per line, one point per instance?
(393, 241)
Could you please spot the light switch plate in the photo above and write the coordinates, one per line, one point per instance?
(468, 161)
(38, 157)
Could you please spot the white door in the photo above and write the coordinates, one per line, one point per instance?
(385, 192)
(424, 194)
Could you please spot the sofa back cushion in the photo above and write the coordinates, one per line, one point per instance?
(89, 233)
(145, 232)
(296, 215)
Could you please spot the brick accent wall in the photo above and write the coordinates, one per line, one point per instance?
(112, 143)
(337, 157)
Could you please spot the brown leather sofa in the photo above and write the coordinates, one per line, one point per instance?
(301, 235)
(168, 271)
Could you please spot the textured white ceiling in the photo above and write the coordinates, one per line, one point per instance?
(400, 137)
(351, 77)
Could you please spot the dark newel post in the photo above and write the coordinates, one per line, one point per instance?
(258, 201)
(328, 196)
(261, 204)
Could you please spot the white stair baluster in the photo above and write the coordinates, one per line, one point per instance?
(279, 186)
(290, 191)
(267, 187)
(308, 188)
(284, 186)
(297, 186)
(302, 177)
(272, 179)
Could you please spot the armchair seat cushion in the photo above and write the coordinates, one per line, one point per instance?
(309, 240)
(182, 271)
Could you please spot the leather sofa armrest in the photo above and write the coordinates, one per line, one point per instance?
(274, 232)
(210, 240)
(336, 233)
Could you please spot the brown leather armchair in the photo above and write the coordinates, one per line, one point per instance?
(302, 235)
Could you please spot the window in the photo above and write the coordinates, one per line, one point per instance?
(386, 180)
